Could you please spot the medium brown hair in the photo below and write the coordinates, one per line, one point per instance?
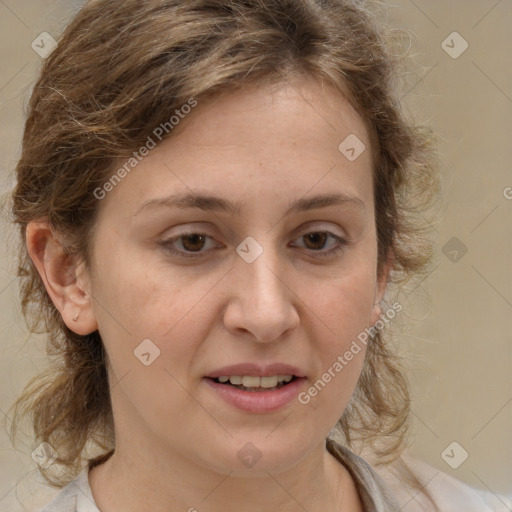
(121, 68)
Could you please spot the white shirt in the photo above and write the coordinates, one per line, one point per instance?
(382, 493)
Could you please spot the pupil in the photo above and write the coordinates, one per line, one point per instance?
(195, 240)
(315, 237)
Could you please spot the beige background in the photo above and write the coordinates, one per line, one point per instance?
(460, 342)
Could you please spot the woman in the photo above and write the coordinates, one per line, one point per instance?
(214, 198)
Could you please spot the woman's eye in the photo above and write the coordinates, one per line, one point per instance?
(190, 245)
(317, 241)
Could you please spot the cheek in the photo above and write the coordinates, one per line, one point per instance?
(339, 312)
(147, 296)
(141, 303)
(342, 304)
(153, 302)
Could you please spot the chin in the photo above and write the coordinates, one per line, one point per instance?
(258, 457)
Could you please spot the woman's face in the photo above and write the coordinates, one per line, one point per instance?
(224, 246)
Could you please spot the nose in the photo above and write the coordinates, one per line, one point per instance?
(262, 305)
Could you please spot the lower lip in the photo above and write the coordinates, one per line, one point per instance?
(257, 401)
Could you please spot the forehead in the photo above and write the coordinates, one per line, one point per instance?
(284, 137)
(301, 112)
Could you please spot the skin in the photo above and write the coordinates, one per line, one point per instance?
(176, 440)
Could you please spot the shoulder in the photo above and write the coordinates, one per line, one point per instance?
(75, 497)
(448, 493)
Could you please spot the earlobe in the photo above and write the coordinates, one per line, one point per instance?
(66, 282)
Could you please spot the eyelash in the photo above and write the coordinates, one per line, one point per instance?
(167, 244)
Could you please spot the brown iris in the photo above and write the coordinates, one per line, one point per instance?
(193, 242)
(316, 238)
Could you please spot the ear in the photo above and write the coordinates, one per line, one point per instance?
(380, 289)
(65, 281)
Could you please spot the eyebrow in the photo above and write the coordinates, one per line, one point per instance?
(217, 204)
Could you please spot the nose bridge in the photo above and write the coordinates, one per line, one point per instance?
(265, 285)
(264, 303)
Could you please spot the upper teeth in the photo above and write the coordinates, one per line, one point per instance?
(250, 381)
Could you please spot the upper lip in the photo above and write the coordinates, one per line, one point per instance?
(257, 370)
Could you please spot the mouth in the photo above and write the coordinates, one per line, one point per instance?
(254, 383)
(255, 394)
